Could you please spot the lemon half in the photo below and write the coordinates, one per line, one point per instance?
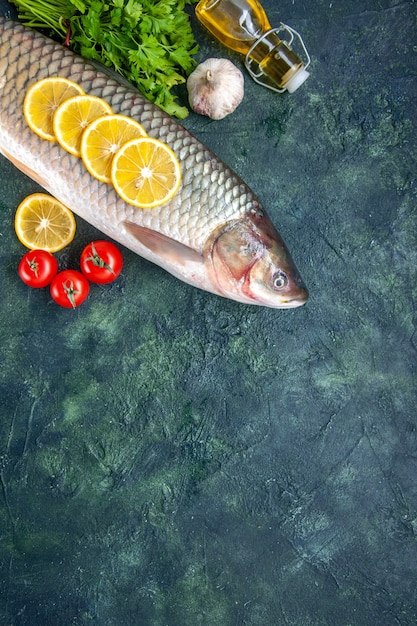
(42, 100)
(146, 172)
(44, 223)
(103, 138)
(73, 116)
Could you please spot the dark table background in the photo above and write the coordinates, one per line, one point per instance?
(171, 458)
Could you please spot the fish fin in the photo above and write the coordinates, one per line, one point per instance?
(25, 169)
(165, 247)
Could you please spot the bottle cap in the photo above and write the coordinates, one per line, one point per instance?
(297, 80)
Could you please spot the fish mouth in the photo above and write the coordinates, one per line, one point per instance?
(285, 301)
(293, 303)
(289, 302)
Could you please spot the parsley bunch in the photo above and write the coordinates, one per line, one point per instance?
(149, 42)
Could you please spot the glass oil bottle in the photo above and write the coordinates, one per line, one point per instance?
(242, 25)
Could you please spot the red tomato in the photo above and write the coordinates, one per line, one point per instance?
(101, 262)
(69, 288)
(37, 268)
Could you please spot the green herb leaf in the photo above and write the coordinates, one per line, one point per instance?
(150, 42)
(79, 4)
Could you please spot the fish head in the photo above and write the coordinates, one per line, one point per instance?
(244, 259)
(250, 263)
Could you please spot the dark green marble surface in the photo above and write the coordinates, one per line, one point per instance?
(171, 458)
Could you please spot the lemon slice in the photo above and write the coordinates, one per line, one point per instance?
(44, 223)
(73, 117)
(146, 172)
(41, 101)
(103, 138)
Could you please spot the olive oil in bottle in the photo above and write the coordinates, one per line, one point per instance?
(243, 26)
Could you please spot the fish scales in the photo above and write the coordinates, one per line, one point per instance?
(211, 195)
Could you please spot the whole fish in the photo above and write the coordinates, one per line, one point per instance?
(214, 233)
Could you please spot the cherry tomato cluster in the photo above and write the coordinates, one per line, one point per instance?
(101, 262)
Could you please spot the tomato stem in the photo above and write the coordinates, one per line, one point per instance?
(33, 265)
(70, 292)
(98, 261)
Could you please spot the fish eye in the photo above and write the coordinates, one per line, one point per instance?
(280, 281)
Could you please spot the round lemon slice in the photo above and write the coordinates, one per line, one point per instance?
(72, 118)
(146, 172)
(103, 138)
(42, 100)
(44, 223)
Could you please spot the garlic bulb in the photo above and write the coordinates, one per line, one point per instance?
(215, 88)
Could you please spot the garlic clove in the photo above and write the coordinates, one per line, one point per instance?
(215, 88)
